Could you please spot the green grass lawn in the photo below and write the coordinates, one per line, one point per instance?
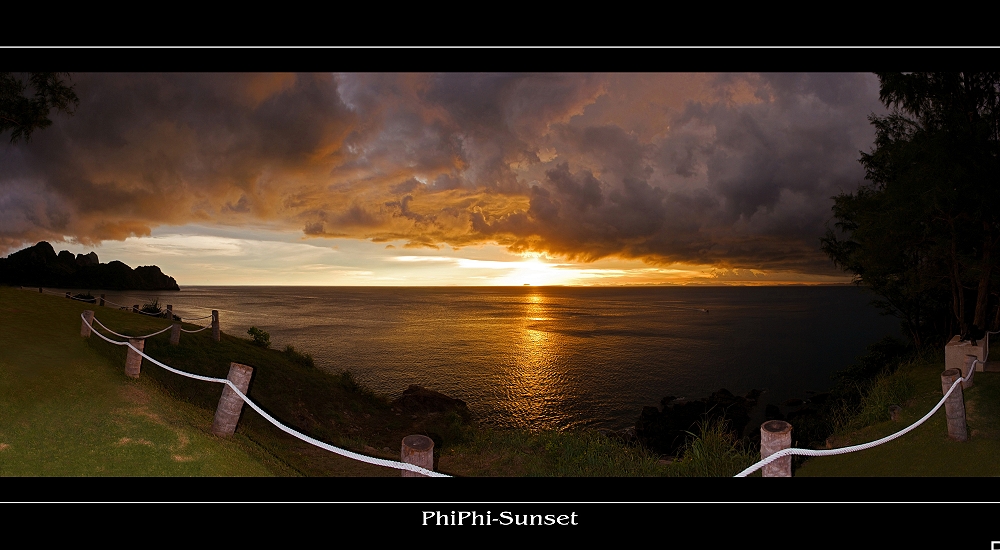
(66, 411)
(925, 451)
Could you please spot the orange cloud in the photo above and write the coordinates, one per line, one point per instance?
(733, 171)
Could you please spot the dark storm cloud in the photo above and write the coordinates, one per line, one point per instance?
(742, 183)
(145, 150)
(735, 171)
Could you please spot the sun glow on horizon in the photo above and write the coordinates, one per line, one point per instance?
(261, 257)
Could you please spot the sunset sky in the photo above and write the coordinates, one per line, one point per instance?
(446, 179)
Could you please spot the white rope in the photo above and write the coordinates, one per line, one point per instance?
(193, 331)
(342, 452)
(125, 336)
(95, 300)
(863, 446)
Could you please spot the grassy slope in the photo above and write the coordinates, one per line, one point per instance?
(65, 412)
(925, 451)
(108, 414)
(66, 408)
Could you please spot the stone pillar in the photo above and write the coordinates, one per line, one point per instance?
(133, 361)
(967, 367)
(170, 312)
(216, 333)
(39, 290)
(227, 414)
(135, 308)
(776, 435)
(954, 406)
(88, 316)
(956, 351)
(175, 333)
(102, 300)
(419, 451)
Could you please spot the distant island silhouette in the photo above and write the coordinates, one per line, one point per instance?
(39, 265)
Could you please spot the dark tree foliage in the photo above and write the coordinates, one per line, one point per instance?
(27, 98)
(923, 232)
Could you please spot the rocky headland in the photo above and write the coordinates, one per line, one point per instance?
(39, 265)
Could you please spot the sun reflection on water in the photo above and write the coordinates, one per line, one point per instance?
(536, 390)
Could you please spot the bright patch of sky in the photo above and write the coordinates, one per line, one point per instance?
(204, 255)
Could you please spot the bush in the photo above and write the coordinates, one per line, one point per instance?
(259, 337)
(152, 307)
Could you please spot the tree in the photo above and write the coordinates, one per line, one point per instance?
(923, 232)
(27, 98)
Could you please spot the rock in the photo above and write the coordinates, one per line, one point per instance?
(418, 400)
(39, 265)
(665, 431)
(89, 259)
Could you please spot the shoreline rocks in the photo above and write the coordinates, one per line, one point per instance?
(417, 400)
(664, 430)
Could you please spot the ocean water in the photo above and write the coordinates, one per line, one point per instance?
(558, 357)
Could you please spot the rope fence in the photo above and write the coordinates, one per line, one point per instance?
(126, 336)
(956, 426)
(417, 444)
(167, 313)
(102, 300)
(774, 433)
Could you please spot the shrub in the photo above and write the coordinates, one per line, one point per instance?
(152, 307)
(259, 337)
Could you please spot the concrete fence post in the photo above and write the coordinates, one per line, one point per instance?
(967, 367)
(39, 290)
(227, 414)
(954, 406)
(133, 361)
(88, 316)
(419, 451)
(170, 312)
(216, 333)
(175, 333)
(135, 308)
(102, 300)
(776, 435)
